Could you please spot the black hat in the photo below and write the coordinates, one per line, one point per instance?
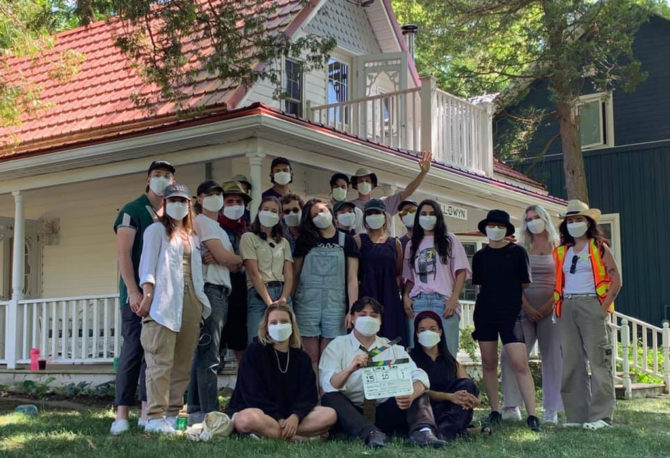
(407, 202)
(207, 186)
(375, 204)
(496, 216)
(342, 203)
(161, 165)
(177, 190)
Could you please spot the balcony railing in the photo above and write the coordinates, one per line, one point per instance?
(457, 132)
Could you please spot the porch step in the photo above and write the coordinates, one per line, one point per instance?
(640, 390)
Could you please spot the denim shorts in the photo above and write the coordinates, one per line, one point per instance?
(256, 308)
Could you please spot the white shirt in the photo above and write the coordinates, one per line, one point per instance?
(208, 229)
(582, 281)
(338, 355)
(161, 265)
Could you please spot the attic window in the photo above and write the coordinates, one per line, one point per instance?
(596, 121)
(293, 87)
(338, 88)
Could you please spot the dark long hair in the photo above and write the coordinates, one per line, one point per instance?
(593, 232)
(309, 233)
(442, 243)
(277, 231)
(450, 363)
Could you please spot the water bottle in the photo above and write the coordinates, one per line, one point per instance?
(34, 359)
(26, 409)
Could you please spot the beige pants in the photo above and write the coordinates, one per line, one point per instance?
(585, 337)
(168, 357)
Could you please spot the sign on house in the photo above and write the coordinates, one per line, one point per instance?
(452, 211)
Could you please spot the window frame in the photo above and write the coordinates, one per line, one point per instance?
(606, 114)
(614, 220)
(479, 242)
(287, 99)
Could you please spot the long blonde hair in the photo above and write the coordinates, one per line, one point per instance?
(526, 237)
(263, 336)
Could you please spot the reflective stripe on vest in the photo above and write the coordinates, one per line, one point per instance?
(601, 278)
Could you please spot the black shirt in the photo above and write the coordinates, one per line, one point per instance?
(260, 383)
(500, 272)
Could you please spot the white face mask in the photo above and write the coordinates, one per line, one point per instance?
(339, 194)
(578, 229)
(408, 220)
(213, 203)
(282, 178)
(233, 212)
(536, 226)
(495, 234)
(428, 338)
(427, 222)
(293, 219)
(367, 325)
(268, 218)
(280, 332)
(323, 220)
(375, 221)
(365, 188)
(176, 210)
(346, 219)
(158, 184)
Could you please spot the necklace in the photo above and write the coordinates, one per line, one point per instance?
(288, 358)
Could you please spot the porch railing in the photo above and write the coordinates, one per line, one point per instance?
(457, 132)
(3, 325)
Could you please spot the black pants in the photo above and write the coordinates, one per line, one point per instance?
(389, 418)
(452, 420)
(131, 366)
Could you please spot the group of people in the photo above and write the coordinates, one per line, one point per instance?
(307, 294)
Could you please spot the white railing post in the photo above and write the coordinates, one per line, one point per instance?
(486, 138)
(18, 266)
(429, 124)
(666, 356)
(625, 343)
(255, 169)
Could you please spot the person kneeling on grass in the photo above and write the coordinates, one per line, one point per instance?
(342, 382)
(275, 395)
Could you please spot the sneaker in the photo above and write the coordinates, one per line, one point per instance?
(119, 427)
(142, 422)
(533, 422)
(594, 425)
(172, 421)
(550, 416)
(159, 426)
(494, 418)
(426, 438)
(376, 439)
(573, 425)
(511, 413)
(195, 418)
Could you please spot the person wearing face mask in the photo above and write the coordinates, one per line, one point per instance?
(501, 270)
(587, 282)
(326, 273)
(246, 186)
(172, 307)
(202, 391)
(452, 394)
(407, 210)
(539, 237)
(339, 187)
(268, 263)
(342, 384)
(291, 205)
(131, 222)
(434, 271)
(275, 394)
(380, 266)
(364, 181)
(281, 175)
(232, 221)
(345, 217)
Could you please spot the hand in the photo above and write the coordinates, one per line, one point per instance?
(424, 163)
(534, 314)
(407, 304)
(347, 321)
(208, 258)
(280, 301)
(145, 306)
(289, 426)
(604, 308)
(464, 399)
(360, 360)
(450, 306)
(134, 300)
(404, 402)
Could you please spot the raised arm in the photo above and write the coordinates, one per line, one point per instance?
(424, 165)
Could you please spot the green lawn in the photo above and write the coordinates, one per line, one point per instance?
(642, 430)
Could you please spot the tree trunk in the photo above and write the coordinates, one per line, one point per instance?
(573, 160)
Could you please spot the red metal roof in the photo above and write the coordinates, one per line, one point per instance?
(99, 97)
(508, 171)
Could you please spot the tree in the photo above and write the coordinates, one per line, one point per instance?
(569, 44)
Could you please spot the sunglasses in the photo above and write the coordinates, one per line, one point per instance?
(288, 211)
(409, 210)
(573, 266)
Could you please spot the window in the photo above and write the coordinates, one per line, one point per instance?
(596, 121)
(609, 224)
(338, 89)
(471, 245)
(293, 87)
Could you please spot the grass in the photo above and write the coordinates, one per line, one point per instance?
(642, 430)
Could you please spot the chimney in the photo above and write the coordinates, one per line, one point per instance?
(409, 31)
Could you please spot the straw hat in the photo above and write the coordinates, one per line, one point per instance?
(579, 208)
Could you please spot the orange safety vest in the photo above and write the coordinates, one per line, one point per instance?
(601, 278)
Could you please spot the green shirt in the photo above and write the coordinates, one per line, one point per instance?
(137, 215)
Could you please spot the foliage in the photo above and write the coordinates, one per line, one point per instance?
(638, 375)
(45, 389)
(468, 344)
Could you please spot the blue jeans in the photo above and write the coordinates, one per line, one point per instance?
(435, 303)
(256, 308)
(202, 390)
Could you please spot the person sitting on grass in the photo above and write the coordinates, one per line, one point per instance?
(342, 383)
(275, 395)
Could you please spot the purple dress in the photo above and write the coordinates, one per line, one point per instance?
(377, 274)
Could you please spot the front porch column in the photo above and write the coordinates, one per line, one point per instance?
(18, 270)
(255, 174)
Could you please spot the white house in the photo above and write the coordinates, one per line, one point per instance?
(66, 170)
